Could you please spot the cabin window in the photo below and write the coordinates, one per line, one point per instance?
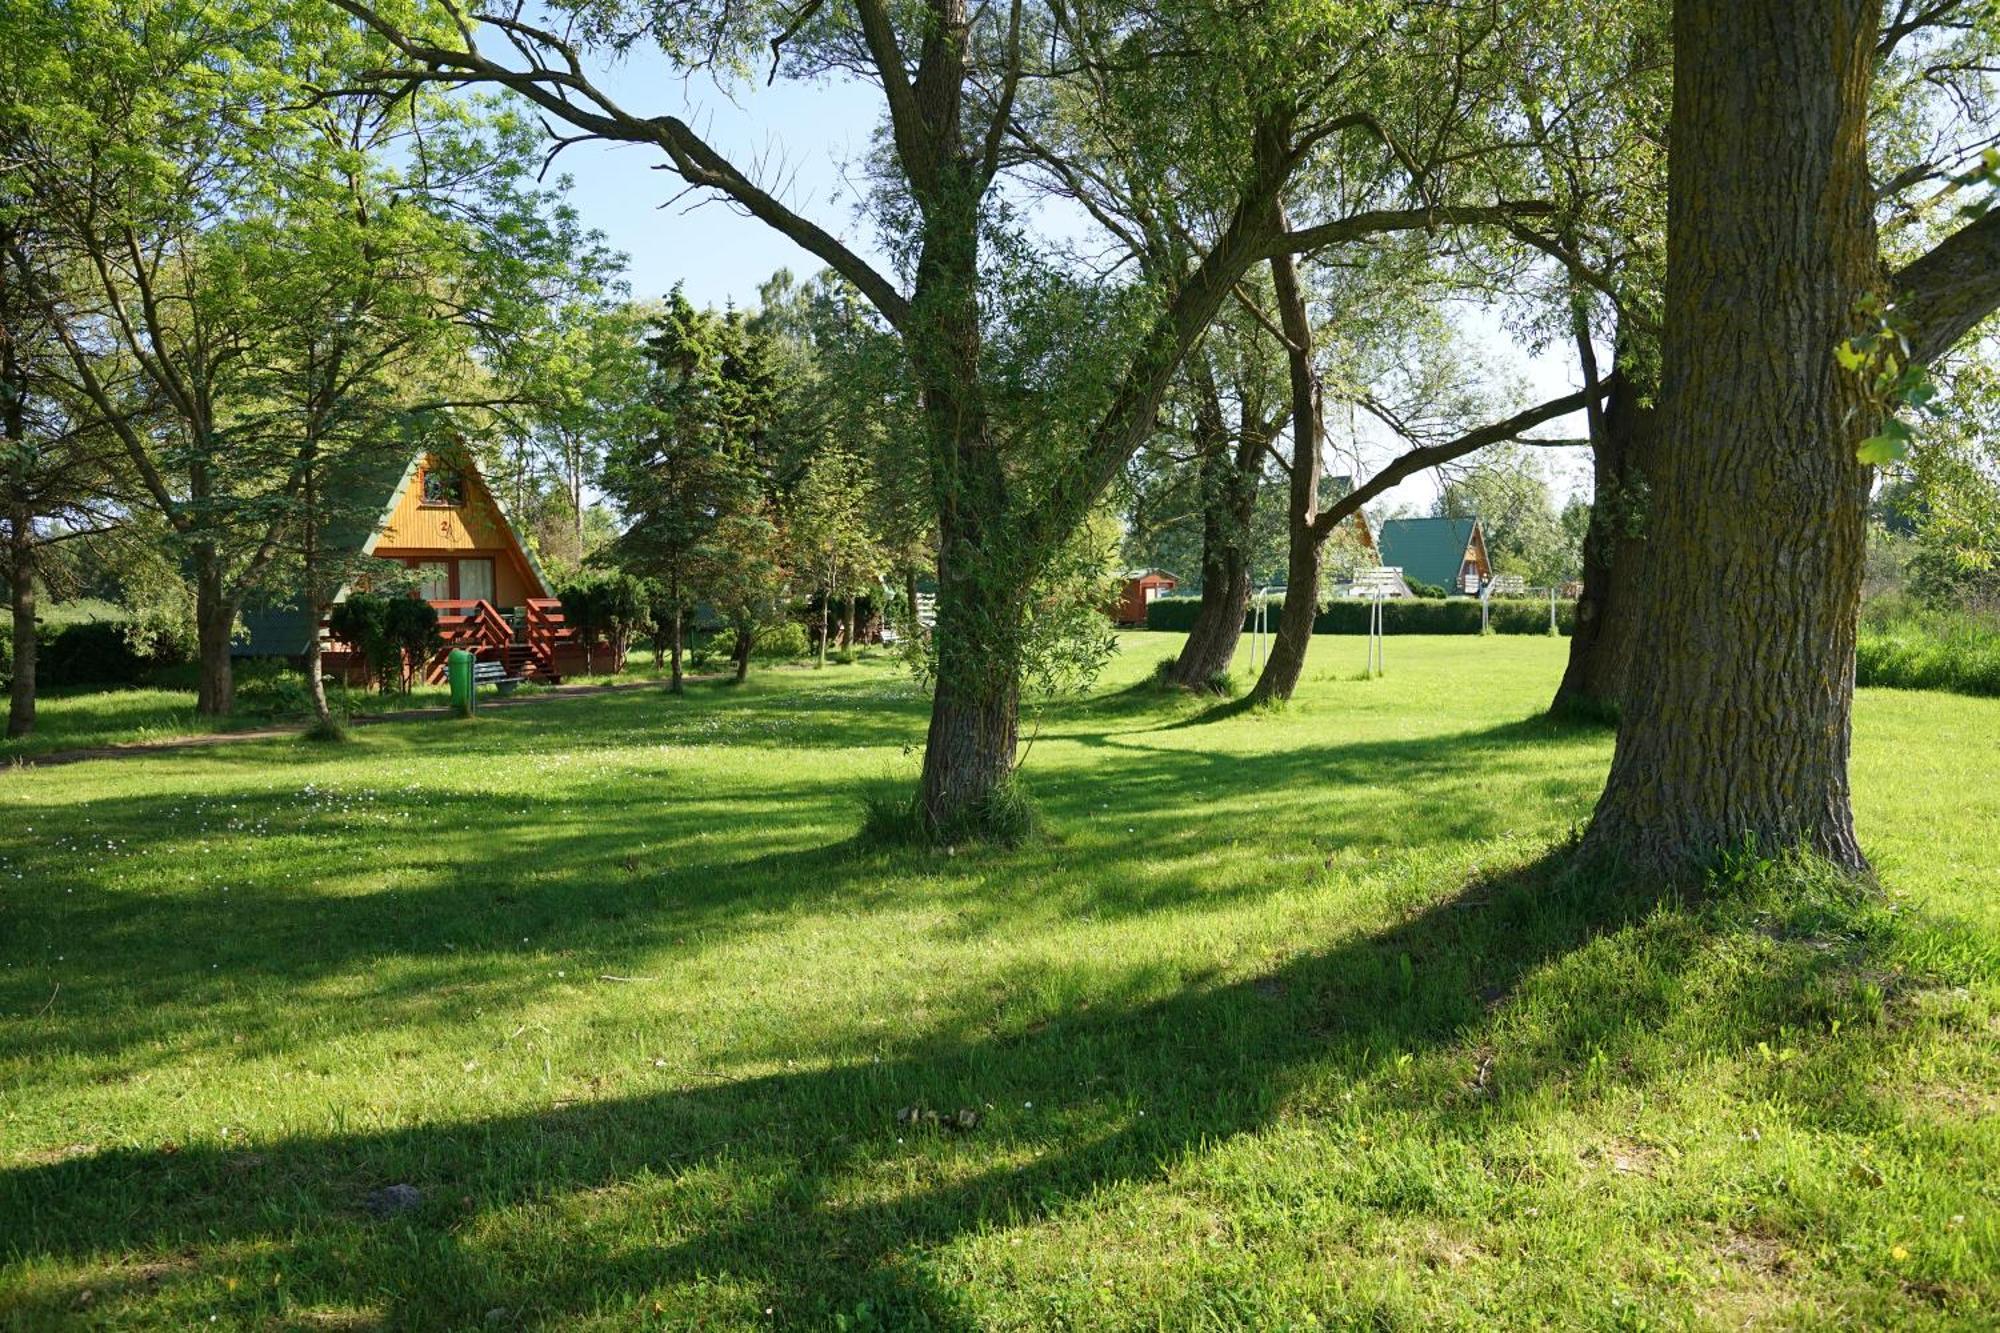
(442, 487)
(434, 581)
(475, 580)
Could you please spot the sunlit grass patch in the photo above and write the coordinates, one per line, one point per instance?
(1288, 1019)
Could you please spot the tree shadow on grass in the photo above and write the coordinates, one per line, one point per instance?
(798, 1191)
(480, 877)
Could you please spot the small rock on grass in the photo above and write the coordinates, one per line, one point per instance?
(961, 1121)
(393, 1199)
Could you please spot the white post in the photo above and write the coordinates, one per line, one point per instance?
(1552, 608)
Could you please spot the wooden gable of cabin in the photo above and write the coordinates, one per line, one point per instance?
(1475, 553)
(445, 523)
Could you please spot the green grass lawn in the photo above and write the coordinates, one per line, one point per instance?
(1290, 1021)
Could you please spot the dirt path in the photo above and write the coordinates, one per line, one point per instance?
(206, 739)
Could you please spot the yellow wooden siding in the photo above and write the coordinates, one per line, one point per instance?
(417, 531)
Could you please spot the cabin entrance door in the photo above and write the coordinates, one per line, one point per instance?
(475, 580)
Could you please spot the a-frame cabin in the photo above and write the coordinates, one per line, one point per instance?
(444, 524)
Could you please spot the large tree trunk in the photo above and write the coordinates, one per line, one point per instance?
(214, 622)
(1218, 620)
(27, 641)
(1736, 733)
(975, 709)
(746, 639)
(1229, 500)
(1605, 641)
(1287, 661)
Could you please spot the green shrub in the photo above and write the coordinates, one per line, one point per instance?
(89, 652)
(1418, 588)
(782, 642)
(395, 634)
(1457, 615)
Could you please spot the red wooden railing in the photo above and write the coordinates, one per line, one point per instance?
(480, 628)
(547, 630)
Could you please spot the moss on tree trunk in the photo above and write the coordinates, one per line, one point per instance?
(1736, 724)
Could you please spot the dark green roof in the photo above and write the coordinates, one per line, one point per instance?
(361, 490)
(1430, 550)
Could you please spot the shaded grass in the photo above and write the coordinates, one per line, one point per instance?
(1291, 1019)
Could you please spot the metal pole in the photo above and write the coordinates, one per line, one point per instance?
(1552, 608)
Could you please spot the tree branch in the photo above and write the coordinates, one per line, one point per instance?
(1434, 455)
(553, 90)
(1947, 292)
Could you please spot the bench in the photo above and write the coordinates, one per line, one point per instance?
(494, 674)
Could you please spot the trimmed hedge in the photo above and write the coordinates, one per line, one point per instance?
(1459, 615)
(88, 652)
(93, 652)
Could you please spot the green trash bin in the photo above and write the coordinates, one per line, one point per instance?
(458, 670)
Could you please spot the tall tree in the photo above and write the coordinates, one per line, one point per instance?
(1231, 431)
(1023, 433)
(1397, 360)
(60, 479)
(1739, 733)
(710, 397)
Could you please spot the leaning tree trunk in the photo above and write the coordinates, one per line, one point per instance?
(214, 623)
(1737, 731)
(1287, 662)
(1605, 641)
(27, 641)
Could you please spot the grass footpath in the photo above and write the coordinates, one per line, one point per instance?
(1291, 1021)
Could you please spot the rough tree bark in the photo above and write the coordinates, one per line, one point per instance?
(746, 639)
(1736, 732)
(975, 709)
(1302, 561)
(214, 623)
(1229, 479)
(1605, 642)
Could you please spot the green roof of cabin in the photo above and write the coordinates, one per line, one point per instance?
(364, 491)
(1430, 550)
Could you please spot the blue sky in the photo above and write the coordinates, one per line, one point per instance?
(805, 141)
(798, 136)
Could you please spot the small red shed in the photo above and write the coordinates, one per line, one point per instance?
(1141, 587)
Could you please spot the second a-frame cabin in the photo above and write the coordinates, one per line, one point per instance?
(1449, 553)
(442, 523)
